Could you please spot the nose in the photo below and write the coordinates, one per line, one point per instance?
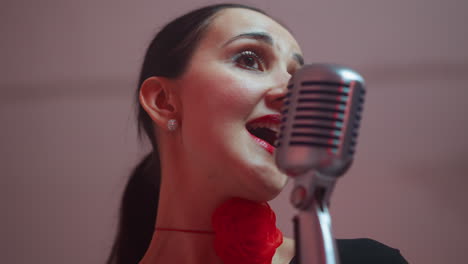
(274, 97)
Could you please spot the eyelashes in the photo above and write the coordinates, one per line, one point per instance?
(250, 60)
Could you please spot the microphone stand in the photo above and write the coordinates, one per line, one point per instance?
(315, 243)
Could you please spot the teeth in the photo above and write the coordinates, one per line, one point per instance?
(272, 126)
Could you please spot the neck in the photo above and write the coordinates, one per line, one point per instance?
(166, 247)
(183, 204)
(187, 200)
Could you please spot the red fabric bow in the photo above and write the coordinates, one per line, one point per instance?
(245, 232)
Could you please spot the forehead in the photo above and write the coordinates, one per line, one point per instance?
(232, 22)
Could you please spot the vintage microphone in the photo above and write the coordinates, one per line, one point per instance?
(317, 140)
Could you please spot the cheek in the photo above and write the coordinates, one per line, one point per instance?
(220, 98)
(215, 111)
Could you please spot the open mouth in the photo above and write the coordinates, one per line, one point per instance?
(265, 131)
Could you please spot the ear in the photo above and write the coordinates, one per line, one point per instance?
(158, 98)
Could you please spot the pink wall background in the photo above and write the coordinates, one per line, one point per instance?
(67, 128)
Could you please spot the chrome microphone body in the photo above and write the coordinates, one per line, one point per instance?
(320, 121)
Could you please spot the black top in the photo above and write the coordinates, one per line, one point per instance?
(365, 251)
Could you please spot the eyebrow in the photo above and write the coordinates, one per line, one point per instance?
(263, 37)
(298, 58)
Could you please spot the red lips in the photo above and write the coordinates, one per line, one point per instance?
(264, 130)
(274, 119)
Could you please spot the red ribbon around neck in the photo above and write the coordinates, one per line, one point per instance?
(245, 232)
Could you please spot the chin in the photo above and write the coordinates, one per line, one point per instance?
(269, 187)
(264, 196)
(274, 191)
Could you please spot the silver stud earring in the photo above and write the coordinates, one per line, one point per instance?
(172, 124)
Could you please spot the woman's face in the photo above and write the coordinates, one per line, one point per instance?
(230, 97)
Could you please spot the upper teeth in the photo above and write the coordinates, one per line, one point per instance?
(272, 126)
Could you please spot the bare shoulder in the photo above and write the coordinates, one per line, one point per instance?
(285, 252)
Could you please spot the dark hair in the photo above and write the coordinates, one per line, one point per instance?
(167, 56)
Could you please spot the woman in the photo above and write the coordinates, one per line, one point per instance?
(209, 99)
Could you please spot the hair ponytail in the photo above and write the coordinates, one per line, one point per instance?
(137, 212)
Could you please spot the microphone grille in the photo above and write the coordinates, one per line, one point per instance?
(320, 119)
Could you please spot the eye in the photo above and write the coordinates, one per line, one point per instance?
(249, 60)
